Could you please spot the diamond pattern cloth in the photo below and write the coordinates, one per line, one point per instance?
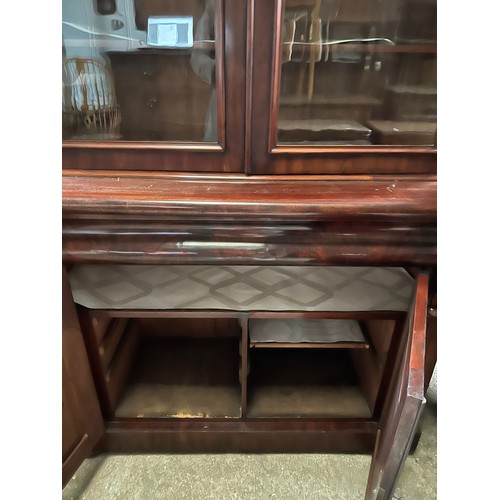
(242, 288)
(305, 330)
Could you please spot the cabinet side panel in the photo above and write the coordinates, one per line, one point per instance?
(82, 420)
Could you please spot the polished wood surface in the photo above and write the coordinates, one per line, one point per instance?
(243, 372)
(237, 197)
(404, 403)
(92, 343)
(161, 218)
(430, 346)
(82, 422)
(264, 435)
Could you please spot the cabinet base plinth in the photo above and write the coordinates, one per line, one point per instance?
(269, 436)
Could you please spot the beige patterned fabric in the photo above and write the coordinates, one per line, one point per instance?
(305, 330)
(242, 288)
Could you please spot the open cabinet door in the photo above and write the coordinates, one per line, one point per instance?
(404, 403)
(82, 422)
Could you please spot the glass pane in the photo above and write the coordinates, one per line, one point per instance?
(139, 70)
(358, 72)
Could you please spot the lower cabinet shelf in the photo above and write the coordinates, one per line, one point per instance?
(304, 383)
(180, 377)
(204, 366)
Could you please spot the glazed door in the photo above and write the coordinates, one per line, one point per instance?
(82, 423)
(153, 84)
(343, 87)
(404, 402)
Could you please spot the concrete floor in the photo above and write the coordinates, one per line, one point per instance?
(253, 477)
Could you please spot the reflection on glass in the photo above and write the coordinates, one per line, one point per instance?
(139, 70)
(358, 72)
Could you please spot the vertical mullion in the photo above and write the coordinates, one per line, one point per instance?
(244, 363)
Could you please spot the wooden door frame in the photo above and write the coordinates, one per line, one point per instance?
(263, 156)
(225, 156)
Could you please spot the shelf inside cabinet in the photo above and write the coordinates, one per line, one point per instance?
(183, 378)
(322, 129)
(403, 132)
(291, 383)
(412, 89)
(182, 370)
(124, 45)
(348, 100)
(306, 333)
(338, 46)
(311, 345)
